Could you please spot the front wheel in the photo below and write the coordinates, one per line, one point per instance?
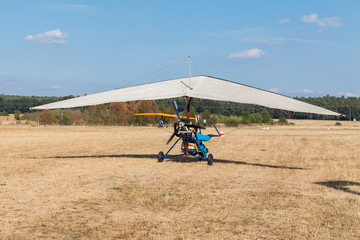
(161, 157)
(210, 159)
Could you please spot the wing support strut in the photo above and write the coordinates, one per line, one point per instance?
(207, 113)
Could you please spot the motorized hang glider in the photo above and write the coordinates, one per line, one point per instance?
(197, 87)
(201, 87)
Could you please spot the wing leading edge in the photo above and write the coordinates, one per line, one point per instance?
(204, 87)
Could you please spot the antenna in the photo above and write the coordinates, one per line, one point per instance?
(189, 61)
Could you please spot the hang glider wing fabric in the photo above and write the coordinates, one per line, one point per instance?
(203, 87)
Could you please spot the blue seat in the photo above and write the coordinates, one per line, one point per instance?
(202, 137)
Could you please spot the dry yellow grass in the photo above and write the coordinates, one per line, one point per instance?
(291, 182)
(7, 119)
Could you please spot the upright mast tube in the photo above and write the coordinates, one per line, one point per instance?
(189, 61)
(61, 116)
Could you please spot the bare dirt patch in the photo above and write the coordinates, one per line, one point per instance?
(291, 182)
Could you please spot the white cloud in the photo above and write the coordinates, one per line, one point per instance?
(49, 37)
(275, 90)
(347, 94)
(300, 91)
(9, 83)
(55, 87)
(312, 18)
(284, 21)
(251, 53)
(334, 22)
(307, 91)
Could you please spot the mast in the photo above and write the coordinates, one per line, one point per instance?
(189, 98)
(189, 62)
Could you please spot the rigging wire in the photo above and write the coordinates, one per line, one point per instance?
(197, 67)
(216, 67)
(151, 73)
(233, 130)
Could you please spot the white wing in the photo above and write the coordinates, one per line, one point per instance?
(203, 87)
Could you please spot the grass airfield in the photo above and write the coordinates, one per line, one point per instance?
(288, 182)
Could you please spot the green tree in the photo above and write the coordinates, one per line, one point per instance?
(245, 117)
(192, 112)
(255, 118)
(161, 107)
(2, 104)
(67, 119)
(282, 121)
(99, 114)
(17, 115)
(203, 116)
(231, 121)
(265, 115)
(226, 113)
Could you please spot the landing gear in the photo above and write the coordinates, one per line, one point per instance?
(210, 159)
(161, 157)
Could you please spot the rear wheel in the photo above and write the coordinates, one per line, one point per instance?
(161, 157)
(210, 159)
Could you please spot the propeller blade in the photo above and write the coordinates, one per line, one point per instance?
(177, 111)
(172, 136)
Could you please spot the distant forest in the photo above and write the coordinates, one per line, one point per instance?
(12, 103)
(349, 107)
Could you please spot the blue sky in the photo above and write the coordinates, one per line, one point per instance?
(62, 47)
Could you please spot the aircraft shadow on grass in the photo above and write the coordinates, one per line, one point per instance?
(181, 159)
(340, 185)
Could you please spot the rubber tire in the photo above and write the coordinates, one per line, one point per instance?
(210, 159)
(161, 157)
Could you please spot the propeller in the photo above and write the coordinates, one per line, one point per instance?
(177, 112)
(177, 124)
(176, 130)
(182, 124)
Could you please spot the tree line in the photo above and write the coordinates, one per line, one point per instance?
(12, 103)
